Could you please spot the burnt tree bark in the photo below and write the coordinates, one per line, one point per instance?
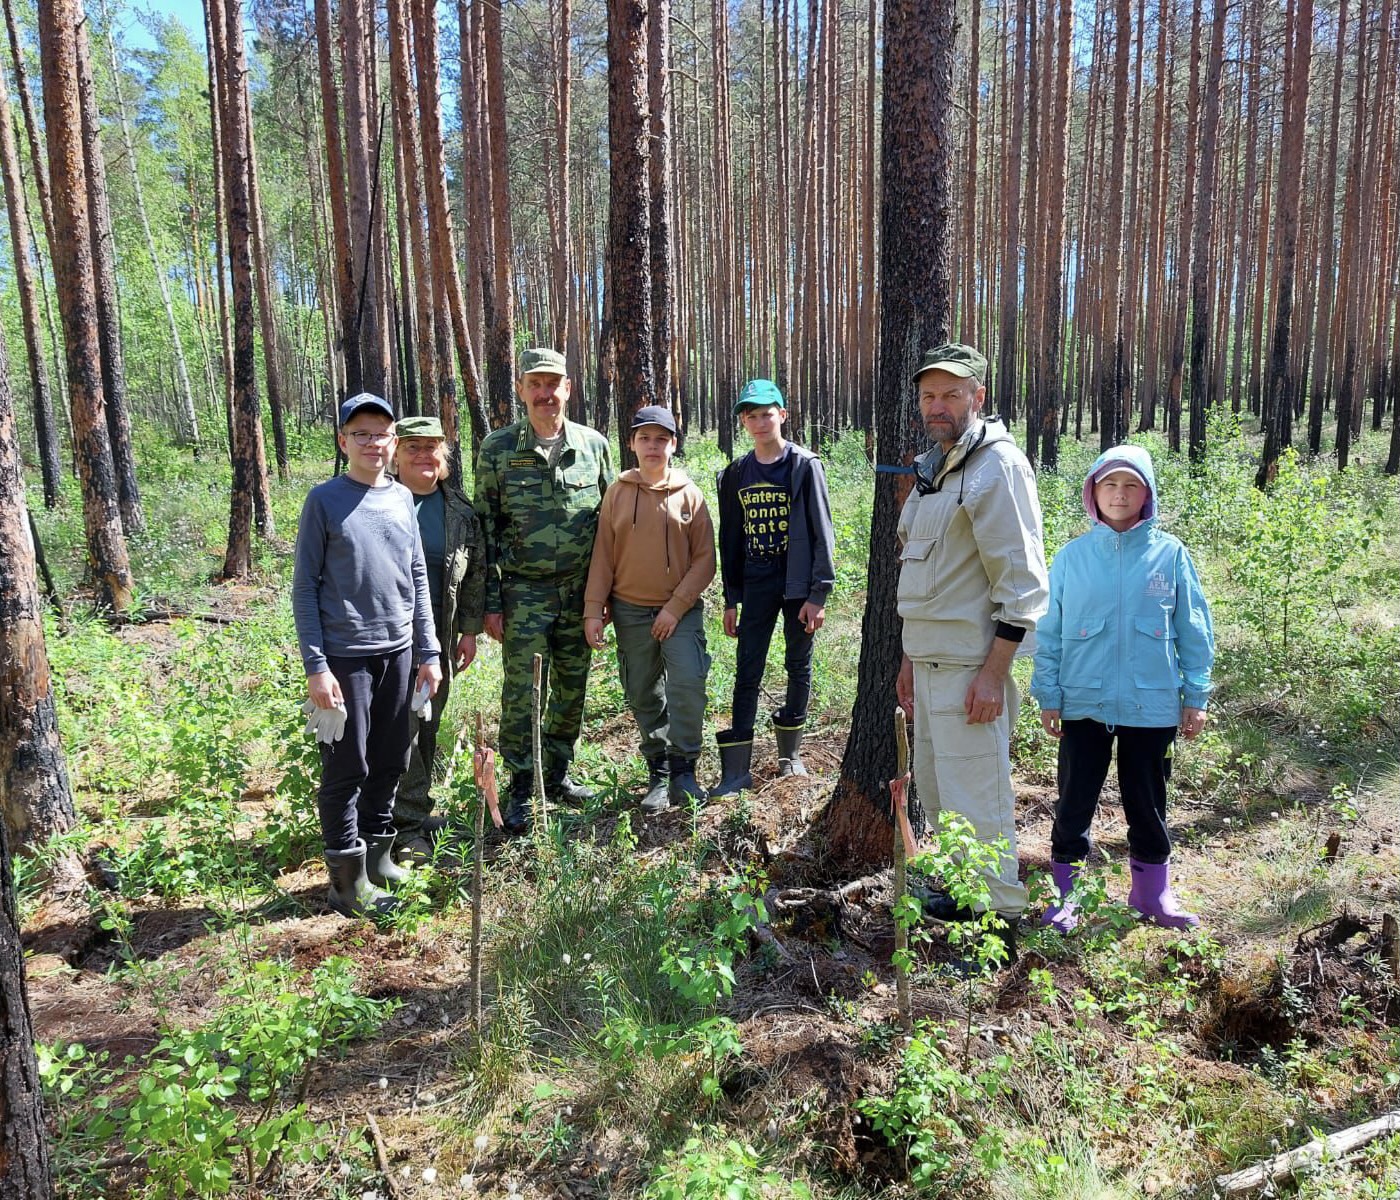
(71, 252)
(35, 796)
(629, 222)
(915, 297)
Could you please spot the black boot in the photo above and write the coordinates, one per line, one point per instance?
(351, 894)
(560, 789)
(658, 778)
(380, 866)
(789, 739)
(735, 762)
(684, 789)
(522, 789)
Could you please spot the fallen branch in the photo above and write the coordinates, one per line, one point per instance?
(1285, 1166)
(381, 1156)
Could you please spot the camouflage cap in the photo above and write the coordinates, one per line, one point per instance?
(541, 360)
(419, 427)
(955, 358)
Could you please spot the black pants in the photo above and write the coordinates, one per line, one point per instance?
(761, 606)
(1144, 766)
(360, 773)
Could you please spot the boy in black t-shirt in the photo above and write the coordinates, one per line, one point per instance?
(776, 551)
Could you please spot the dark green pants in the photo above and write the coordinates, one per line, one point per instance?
(543, 619)
(413, 804)
(664, 681)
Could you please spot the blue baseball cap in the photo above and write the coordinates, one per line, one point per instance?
(360, 402)
(759, 393)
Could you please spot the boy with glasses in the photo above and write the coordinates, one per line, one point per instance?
(364, 618)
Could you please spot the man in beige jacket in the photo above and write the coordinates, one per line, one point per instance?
(972, 584)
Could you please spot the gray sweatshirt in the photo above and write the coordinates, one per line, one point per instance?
(360, 586)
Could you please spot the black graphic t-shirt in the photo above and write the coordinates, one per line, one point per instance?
(766, 500)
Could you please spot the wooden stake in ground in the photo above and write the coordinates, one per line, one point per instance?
(536, 673)
(484, 769)
(899, 809)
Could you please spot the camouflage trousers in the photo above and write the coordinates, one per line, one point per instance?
(413, 804)
(544, 619)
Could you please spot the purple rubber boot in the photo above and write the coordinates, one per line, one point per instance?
(1152, 896)
(1062, 917)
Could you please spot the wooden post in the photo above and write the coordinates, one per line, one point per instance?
(477, 855)
(898, 803)
(536, 671)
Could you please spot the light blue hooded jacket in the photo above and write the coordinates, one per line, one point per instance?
(1128, 638)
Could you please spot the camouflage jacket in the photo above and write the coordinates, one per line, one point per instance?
(539, 521)
(463, 572)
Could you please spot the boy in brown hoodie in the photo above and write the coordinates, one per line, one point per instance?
(653, 557)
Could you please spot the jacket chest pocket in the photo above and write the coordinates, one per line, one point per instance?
(1085, 653)
(918, 569)
(579, 485)
(1154, 653)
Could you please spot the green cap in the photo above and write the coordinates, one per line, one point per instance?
(541, 360)
(759, 393)
(423, 427)
(956, 359)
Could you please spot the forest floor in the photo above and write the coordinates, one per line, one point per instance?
(644, 1034)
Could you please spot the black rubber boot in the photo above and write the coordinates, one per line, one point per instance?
(658, 780)
(380, 866)
(522, 789)
(684, 789)
(351, 894)
(562, 790)
(735, 763)
(789, 739)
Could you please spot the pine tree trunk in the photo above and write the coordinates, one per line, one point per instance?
(915, 299)
(25, 1170)
(104, 261)
(34, 791)
(246, 418)
(629, 209)
(46, 431)
(1007, 384)
(1278, 394)
(267, 318)
(659, 182)
(1112, 425)
(71, 252)
(1052, 365)
(500, 335)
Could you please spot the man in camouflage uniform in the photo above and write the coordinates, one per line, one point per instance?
(539, 485)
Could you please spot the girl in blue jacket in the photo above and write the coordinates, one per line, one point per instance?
(1124, 653)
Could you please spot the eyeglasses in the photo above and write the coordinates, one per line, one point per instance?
(362, 437)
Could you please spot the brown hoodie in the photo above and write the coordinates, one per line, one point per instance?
(655, 545)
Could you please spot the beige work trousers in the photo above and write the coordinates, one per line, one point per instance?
(966, 769)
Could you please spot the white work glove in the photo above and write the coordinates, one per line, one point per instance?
(421, 703)
(326, 725)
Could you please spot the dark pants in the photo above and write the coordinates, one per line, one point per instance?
(1144, 766)
(360, 773)
(758, 615)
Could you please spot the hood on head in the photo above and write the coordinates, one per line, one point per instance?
(1120, 458)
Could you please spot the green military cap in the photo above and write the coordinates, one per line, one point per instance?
(541, 360)
(956, 359)
(422, 427)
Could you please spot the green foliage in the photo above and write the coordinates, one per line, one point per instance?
(207, 1099)
(925, 1115)
(721, 1169)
